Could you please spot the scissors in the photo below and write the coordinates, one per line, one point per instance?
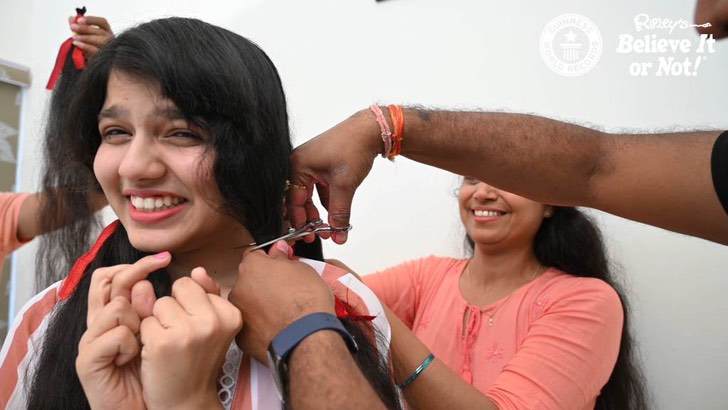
(316, 226)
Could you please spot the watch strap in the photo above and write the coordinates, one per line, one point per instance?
(284, 343)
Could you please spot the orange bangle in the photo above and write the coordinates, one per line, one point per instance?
(397, 116)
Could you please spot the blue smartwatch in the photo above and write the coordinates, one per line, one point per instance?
(282, 346)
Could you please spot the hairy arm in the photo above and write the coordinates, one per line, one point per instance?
(323, 375)
(659, 179)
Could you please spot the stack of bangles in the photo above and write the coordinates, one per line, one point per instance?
(392, 138)
(421, 368)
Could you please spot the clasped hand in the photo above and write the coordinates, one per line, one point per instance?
(142, 352)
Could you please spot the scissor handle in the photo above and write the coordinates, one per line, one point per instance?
(312, 227)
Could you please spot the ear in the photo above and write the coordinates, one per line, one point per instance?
(548, 211)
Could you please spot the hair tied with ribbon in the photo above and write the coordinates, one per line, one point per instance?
(67, 47)
(346, 311)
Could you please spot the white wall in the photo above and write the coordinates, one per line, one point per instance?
(338, 56)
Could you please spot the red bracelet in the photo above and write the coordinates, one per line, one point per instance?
(397, 115)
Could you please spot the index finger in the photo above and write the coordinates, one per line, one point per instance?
(299, 195)
(96, 21)
(123, 281)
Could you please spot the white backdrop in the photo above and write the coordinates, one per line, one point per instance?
(336, 57)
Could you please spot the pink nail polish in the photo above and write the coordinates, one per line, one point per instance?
(282, 246)
(162, 255)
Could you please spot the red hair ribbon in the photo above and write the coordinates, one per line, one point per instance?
(346, 311)
(79, 60)
(79, 267)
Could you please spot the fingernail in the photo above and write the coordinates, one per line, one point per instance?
(161, 255)
(282, 246)
(340, 237)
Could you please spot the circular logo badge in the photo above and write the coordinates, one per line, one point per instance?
(571, 45)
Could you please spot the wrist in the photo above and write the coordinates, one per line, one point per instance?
(305, 335)
(207, 400)
(305, 308)
(321, 341)
(369, 131)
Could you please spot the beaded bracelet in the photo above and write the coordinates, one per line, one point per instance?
(384, 129)
(421, 368)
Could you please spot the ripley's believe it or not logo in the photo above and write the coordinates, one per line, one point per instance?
(571, 45)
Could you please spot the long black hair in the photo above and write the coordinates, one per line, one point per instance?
(66, 191)
(571, 242)
(226, 85)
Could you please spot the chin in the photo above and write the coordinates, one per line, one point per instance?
(486, 240)
(149, 244)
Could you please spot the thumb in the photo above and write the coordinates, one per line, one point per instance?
(280, 250)
(143, 298)
(339, 201)
(200, 276)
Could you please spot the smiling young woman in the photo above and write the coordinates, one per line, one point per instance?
(183, 125)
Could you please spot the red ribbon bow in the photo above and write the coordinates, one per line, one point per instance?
(346, 311)
(79, 60)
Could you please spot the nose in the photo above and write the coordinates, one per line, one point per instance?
(485, 192)
(141, 160)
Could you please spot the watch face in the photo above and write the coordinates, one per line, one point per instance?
(274, 365)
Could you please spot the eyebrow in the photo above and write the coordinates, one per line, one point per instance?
(113, 112)
(169, 112)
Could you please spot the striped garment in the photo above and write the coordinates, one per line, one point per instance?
(245, 383)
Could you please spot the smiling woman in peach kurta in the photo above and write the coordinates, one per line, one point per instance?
(551, 344)
(532, 320)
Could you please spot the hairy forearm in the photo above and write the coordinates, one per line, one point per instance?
(323, 375)
(660, 179)
(545, 159)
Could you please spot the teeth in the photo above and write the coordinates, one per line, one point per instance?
(479, 212)
(156, 203)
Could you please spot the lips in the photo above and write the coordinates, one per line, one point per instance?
(487, 212)
(155, 203)
(487, 215)
(154, 207)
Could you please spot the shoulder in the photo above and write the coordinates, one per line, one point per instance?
(430, 265)
(34, 313)
(561, 289)
(350, 289)
(28, 328)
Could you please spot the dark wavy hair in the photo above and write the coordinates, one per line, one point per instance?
(221, 82)
(571, 242)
